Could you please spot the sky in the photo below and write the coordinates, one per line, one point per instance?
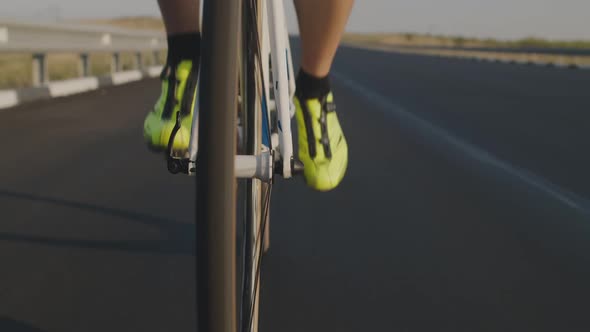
(556, 19)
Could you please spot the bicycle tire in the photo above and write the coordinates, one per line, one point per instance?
(224, 301)
(215, 181)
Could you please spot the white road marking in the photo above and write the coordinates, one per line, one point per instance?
(444, 137)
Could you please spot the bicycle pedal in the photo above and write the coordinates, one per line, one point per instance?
(176, 166)
(296, 167)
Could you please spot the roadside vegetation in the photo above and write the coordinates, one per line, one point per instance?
(412, 39)
(472, 48)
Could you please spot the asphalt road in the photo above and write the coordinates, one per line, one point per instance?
(477, 224)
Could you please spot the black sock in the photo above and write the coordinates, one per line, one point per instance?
(184, 46)
(309, 86)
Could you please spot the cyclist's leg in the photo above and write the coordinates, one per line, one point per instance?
(181, 18)
(321, 24)
(322, 146)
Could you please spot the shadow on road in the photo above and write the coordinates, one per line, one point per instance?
(179, 237)
(10, 325)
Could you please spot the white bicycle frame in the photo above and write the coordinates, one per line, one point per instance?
(274, 45)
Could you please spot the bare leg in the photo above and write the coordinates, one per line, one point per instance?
(321, 25)
(180, 16)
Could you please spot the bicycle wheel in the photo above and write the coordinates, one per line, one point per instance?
(253, 195)
(229, 249)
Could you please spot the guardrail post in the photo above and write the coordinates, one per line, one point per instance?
(40, 70)
(84, 65)
(116, 63)
(156, 57)
(138, 60)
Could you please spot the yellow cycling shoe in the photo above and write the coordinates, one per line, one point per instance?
(179, 88)
(322, 146)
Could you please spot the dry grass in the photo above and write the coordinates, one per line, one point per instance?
(525, 58)
(414, 44)
(398, 39)
(16, 69)
(410, 39)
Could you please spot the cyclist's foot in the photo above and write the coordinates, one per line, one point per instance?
(179, 86)
(322, 146)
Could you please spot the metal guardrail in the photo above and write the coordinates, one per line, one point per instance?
(39, 39)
